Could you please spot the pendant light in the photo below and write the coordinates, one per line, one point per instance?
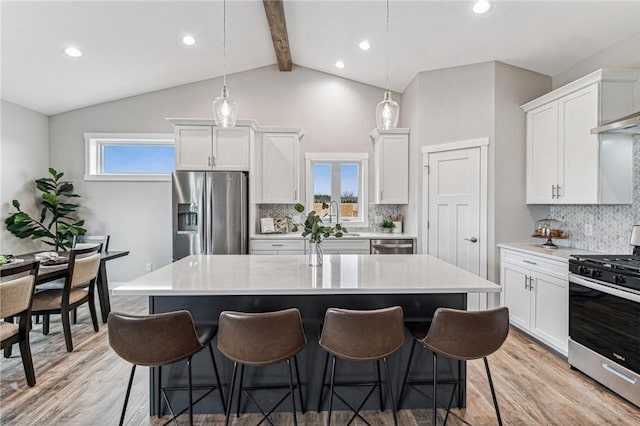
(387, 110)
(224, 109)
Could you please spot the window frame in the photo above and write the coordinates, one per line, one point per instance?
(362, 159)
(93, 150)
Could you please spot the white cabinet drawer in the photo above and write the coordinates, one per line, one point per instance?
(278, 245)
(344, 245)
(536, 263)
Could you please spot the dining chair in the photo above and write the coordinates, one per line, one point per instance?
(463, 336)
(79, 288)
(84, 241)
(16, 296)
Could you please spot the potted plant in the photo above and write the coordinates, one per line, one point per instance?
(58, 220)
(316, 231)
(387, 225)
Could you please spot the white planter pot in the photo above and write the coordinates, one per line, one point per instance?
(398, 228)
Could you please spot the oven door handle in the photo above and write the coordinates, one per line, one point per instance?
(620, 374)
(634, 297)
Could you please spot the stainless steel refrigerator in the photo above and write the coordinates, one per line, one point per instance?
(209, 213)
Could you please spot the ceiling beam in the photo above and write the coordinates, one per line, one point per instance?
(278, 27)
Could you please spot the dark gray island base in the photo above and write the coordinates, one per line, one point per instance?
(206, 309)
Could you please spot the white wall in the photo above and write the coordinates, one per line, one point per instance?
(24, 157)
(624, 54)
(336, 115)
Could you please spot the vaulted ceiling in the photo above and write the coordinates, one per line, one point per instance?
(136, 47)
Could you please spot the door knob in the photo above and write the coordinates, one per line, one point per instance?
(472, 239)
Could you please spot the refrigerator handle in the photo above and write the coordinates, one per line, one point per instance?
(209, 213)
(203, 217)
(243, 214)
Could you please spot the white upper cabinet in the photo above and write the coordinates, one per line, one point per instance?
(207, 147)
(280, 168)
(566, 164)
(391, 152)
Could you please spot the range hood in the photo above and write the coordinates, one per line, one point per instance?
(629, 125)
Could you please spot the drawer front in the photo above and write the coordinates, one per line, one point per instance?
(345, 245)
(537, 263)
(278, 245)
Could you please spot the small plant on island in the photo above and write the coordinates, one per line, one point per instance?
(58, 222)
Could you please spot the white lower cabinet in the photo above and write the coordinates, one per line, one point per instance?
(275, 247)
(536, 291)
(345, 246)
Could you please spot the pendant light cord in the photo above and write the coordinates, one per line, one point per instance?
(224, 42)
(388, 45)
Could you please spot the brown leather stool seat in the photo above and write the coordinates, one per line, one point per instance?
(353, 335)
(463, 336)
(260, 340)
(158, 340)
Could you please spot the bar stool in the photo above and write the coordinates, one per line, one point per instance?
(352, 335)
(261, 340)
(158, 340)
(463, 336)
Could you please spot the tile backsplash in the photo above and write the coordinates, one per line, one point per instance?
(611, 223)
(283, 210)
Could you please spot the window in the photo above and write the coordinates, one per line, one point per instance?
(116, 156)
(339, 180)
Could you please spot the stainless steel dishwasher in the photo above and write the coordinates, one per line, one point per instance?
(404, 246)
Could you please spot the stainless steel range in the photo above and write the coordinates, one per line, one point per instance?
(604, 320)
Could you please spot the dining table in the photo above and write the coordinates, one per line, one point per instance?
(60, 271)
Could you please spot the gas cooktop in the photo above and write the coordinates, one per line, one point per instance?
(622, 269)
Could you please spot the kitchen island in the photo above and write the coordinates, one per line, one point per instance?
(207, 285)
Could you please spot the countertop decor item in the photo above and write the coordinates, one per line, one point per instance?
(549, 228)
(58, 221)
(315, 231)
(387, 225)
(397, 220)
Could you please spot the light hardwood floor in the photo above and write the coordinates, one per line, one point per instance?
(86, 387)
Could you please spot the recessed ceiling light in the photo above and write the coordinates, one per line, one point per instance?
(72, 51)
(364, 45)
(339, 64)
(481, 6)
(189, 40)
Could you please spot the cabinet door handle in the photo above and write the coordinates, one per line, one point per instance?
(526, 282)
(530, 283)
(277, 245)
(209, 161)
(213, 160)
(558, 191)
(529, 262)
(380, 195)
(295, 195)
(553, 192)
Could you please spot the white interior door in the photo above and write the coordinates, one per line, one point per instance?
(454, 212)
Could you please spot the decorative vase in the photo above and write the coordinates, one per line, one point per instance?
(398, 228)
(315, 253)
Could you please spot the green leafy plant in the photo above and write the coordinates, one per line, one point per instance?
(58, 219)
(314, 228)
(387, 224)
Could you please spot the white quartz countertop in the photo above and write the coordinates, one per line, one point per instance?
(355, 235)
(291, 275)
(560, 253)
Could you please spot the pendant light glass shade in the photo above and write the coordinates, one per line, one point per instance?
(224, 109)
(387, 112)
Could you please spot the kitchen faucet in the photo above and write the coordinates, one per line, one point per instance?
(337, 215)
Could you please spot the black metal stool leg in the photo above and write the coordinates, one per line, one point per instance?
(406, 374)
(293, 397)
(126, 398)
(190, 393)
(393, 402)
(159, 412)
(333, 375)
(231, 388)
(379, 386)
(240, 390)
(295, 363)
(434, 415)
(324, 374)
(215, 369)
(493, 391)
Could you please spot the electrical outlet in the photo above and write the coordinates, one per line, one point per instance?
(588, 230)
(149, 267)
